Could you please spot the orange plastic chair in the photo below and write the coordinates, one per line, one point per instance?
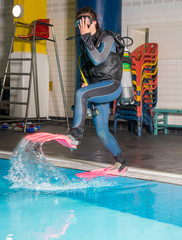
(147, 50)
(41, 30)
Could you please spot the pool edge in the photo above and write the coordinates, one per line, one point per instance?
(132, 172)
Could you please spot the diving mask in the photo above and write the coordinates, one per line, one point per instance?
(83, 16)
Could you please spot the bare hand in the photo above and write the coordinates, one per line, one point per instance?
(84, 85)
(84, 26)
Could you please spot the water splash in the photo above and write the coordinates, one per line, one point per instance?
(31, 170)
(29, 167)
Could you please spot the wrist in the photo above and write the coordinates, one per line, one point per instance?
(84, 32)
(85, 36)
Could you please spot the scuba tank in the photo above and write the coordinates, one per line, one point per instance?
(127, 96)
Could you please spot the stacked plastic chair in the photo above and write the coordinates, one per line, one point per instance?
(144, 74)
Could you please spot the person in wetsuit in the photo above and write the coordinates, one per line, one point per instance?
(102, 68)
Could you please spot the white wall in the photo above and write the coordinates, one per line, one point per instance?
(138, 35)
(154, 14)
(62, 16)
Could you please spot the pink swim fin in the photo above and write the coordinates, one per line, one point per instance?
(100, 172)
(47, 137)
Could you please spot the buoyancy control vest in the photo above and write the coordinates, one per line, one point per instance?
(127, 95)
(110, 69)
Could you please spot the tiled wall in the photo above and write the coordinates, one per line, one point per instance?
(62, 16)
(6, 26)
(147, 13)
(134, 12)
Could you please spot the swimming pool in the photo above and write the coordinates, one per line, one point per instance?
(117, 208)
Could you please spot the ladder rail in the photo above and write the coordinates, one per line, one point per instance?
(25, 24)
(60, 76)
(28, 95)
(7, 65)
(19, 59)
(16, 88)
(35, 74)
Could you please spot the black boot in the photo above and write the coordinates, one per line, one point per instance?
(75, 135)
(120, 163)
(74, 141)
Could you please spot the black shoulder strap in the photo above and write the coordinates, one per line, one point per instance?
(117, 37)
(119, 44)
(101, 36)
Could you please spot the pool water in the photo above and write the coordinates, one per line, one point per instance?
(116, 208)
